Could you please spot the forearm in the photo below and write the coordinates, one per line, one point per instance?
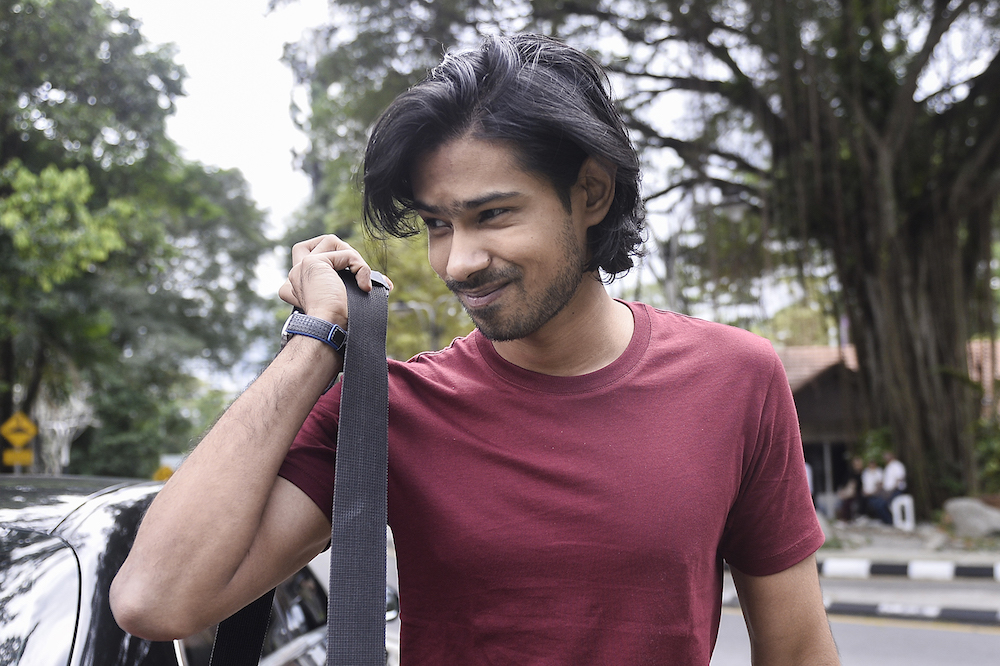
(814, 650)
(197, 541)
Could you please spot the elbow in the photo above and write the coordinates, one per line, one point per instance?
(144, 613)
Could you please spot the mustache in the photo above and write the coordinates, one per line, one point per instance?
(483, 278)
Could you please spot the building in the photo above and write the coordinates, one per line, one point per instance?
(824, 382)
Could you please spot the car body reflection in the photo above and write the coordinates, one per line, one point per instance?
(63, 539)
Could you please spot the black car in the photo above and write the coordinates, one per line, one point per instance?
(63, 539)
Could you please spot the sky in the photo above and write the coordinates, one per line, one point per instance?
(235, 113)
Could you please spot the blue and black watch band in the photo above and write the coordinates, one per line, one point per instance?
(299, 323)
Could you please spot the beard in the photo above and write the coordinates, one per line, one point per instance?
(520, 312)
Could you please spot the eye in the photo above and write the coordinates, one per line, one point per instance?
(491, 213)
(433, 223)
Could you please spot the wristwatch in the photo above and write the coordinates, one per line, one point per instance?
(299, 323)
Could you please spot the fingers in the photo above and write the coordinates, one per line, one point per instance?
(314, 283)
(339, 254)
(335, 252)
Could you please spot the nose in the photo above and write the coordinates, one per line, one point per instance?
(466, 255)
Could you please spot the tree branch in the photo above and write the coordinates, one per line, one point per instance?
(692, 152)
(727, 186)
(900, 118)
(754, 101)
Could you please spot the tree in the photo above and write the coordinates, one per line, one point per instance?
(864, 142)
(857, 136)
(121, 265)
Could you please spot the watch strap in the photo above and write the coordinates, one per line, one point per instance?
(314, 327)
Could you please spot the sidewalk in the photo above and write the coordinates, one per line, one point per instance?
(884, 544)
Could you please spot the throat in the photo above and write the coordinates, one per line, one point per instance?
(578, 341)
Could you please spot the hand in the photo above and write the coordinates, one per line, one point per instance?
(313, 283)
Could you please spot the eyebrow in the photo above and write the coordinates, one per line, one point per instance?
(471, 204)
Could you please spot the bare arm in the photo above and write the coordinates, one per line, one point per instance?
(225, 528)
(785, 617)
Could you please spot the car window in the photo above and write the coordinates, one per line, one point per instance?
(299, 607)
(39, 598)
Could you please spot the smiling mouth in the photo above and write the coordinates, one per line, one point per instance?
(480, 297)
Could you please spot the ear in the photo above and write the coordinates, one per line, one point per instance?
(594, 191)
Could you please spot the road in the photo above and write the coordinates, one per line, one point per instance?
(869, 641)
(880, 642)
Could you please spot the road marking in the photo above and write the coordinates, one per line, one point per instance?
(929, 625)
(930, 570)
(846, 567)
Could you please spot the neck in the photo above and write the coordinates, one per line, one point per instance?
(589, 333)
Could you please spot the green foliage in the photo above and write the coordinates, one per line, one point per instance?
(425, 315)
(125, 270)
(874, 444)
(988, 455)
(54, 235)
(798, 324)
(78, 81)
(135, 426)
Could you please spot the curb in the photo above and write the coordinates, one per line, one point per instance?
(913, 612)
(902, 612)
(938, 570)
(923, 570)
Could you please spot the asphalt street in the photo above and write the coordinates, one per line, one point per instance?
(880, 642)
(864, 640)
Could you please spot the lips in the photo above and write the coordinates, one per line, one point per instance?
(481, 297)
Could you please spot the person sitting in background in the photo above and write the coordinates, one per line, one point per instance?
(852, 501)
(893, 485)
(871, 486)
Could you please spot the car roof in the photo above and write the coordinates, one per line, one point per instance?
(41, 503)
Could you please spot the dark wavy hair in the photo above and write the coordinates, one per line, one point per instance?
(548, 100)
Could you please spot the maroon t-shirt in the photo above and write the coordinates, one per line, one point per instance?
(582, 520)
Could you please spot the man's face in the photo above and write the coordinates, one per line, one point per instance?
(501, 238)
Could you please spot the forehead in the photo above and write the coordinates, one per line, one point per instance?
(467, 169)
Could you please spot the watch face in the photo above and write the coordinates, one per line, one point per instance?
(285, 337)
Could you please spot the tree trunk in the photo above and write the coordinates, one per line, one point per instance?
(7, 378)
(909, 327)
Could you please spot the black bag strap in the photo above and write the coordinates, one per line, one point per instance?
(356, 608)
(239, 639)
(356, 601)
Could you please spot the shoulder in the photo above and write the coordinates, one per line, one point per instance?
(710, 343)
(461, 356)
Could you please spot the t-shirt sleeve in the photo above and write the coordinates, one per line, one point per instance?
(772, 524)
(311, 460)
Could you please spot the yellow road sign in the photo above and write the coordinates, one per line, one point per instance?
(23, 457)
(18, 429)
(163, 473)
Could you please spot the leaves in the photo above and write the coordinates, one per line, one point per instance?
(125, 270)
(54, 235)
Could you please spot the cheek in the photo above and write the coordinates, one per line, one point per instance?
(437, 255)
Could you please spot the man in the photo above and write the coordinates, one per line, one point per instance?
(893, 483)
(871, 486)
(564, 482)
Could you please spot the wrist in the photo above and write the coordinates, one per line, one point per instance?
(329, 316)
(330, 333)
